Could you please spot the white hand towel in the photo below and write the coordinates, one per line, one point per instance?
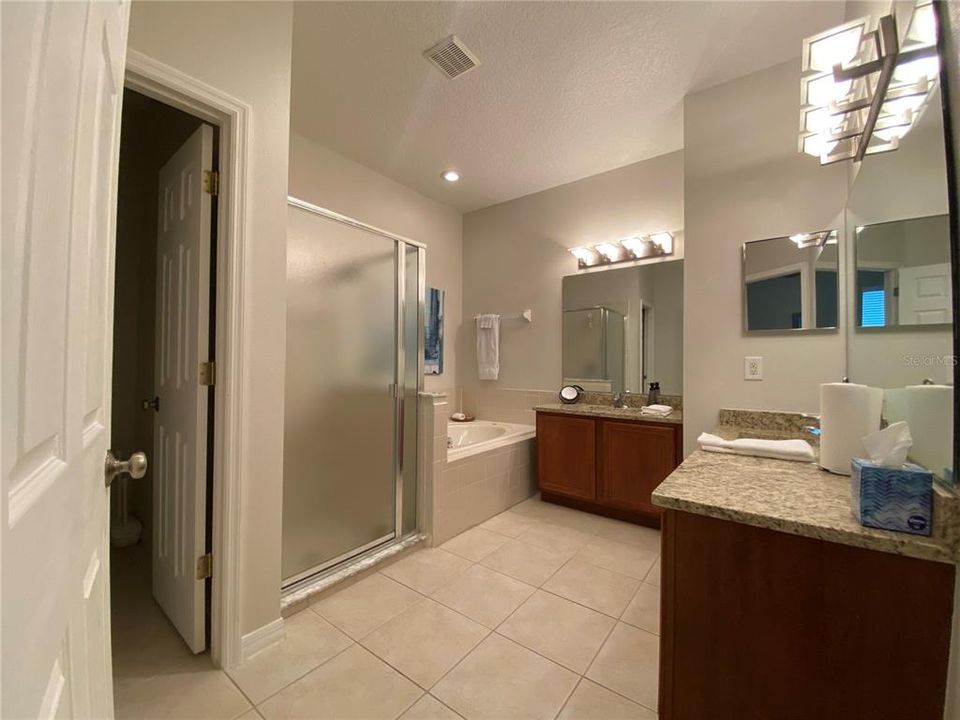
(488, 346)
(796, 450)
(660, 410)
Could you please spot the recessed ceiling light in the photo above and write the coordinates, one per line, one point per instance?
(451, 175)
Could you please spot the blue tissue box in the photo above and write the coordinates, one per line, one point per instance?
(898, 499)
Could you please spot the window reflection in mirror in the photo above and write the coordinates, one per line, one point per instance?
(791, 283)
(900, 331)
(623, 328)
(903, 272)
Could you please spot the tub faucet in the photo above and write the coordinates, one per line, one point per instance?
(620, 399)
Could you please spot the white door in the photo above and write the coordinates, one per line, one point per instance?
(180, 427)
(62, 80)
(925, 294)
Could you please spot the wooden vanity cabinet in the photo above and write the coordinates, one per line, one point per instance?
(569, 468)
(605, 466)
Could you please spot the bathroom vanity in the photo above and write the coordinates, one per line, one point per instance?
(606, 460)
(776, 603)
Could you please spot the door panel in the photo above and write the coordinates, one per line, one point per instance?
(634, 460)
(566, 455)
(62, 69)
(340, 409)
(180, 426)
(925, 297)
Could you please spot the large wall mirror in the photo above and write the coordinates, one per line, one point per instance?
(791, 283)
(623, 328)
(900, 313)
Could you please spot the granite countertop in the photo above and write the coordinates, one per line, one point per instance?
(797, 498)
(604, 411)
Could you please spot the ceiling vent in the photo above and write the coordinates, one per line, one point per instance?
(452, 57)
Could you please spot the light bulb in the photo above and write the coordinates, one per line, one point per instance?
(610, 251)
(451, 176)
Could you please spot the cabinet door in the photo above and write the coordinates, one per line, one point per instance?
(566, 455)
(634, 459)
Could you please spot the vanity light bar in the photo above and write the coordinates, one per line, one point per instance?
(626, 250)
(862, 92)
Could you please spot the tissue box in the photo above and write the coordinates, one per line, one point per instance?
(898, 499)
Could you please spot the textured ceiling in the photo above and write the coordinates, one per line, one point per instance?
(565, 90)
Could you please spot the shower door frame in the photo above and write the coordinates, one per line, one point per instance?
(400, 244)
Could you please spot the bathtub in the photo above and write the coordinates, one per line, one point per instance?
(466, 439)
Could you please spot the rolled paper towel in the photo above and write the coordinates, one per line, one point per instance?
(930, 414)
(847, 413)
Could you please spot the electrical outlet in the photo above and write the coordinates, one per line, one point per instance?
(753, 368)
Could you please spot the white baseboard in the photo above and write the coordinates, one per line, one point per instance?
(261, 638)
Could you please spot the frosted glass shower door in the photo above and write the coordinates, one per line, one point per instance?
(340, 436)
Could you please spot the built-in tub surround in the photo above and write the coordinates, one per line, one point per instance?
(479, 436)
(469, 484)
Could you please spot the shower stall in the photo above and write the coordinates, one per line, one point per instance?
(354, 368)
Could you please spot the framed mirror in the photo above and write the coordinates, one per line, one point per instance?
(623, 328)
(903, 272)
(791, 283)
(433, 333)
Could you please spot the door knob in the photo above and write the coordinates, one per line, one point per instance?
(135, 466)
(151, 404)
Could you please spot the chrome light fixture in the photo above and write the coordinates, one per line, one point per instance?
(626, 250)
(862, 91)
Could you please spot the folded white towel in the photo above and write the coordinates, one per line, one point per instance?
(796, 450)
(488, 346)
(661, 410)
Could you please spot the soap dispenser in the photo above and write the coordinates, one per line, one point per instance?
(653, 394)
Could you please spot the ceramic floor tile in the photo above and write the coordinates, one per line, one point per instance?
(561, 630)
(644, 610)
(484, 595)
(593, 586)
(365, 605)
(355, 685)
(593, 702)
(192, 691)
(474, 544)
(508, 523)
(555, 537)
(429, 708)
(632, 560)
(425, 641)
(251, 714)
(427, 570)
(628, 663)
(629, 534)
(309, 640)
(529, 563)
(653, 577)
(501, 679)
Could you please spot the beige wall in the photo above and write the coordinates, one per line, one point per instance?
(745, 181)
(515, 256)
(323, 177)
(243, 49)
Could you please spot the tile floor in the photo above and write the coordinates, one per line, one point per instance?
(541, 612)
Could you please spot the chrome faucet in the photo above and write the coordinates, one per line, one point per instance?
(620, 399)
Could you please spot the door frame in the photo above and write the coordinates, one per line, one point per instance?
(172, 87)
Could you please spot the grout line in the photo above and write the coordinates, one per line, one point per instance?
(560, 711)
(274, 694)
(443, 703)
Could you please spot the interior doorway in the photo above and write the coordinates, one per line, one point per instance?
(163, 404)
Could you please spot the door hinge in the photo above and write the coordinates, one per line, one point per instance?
(204, 566)
(211, 182)
(208, 373)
